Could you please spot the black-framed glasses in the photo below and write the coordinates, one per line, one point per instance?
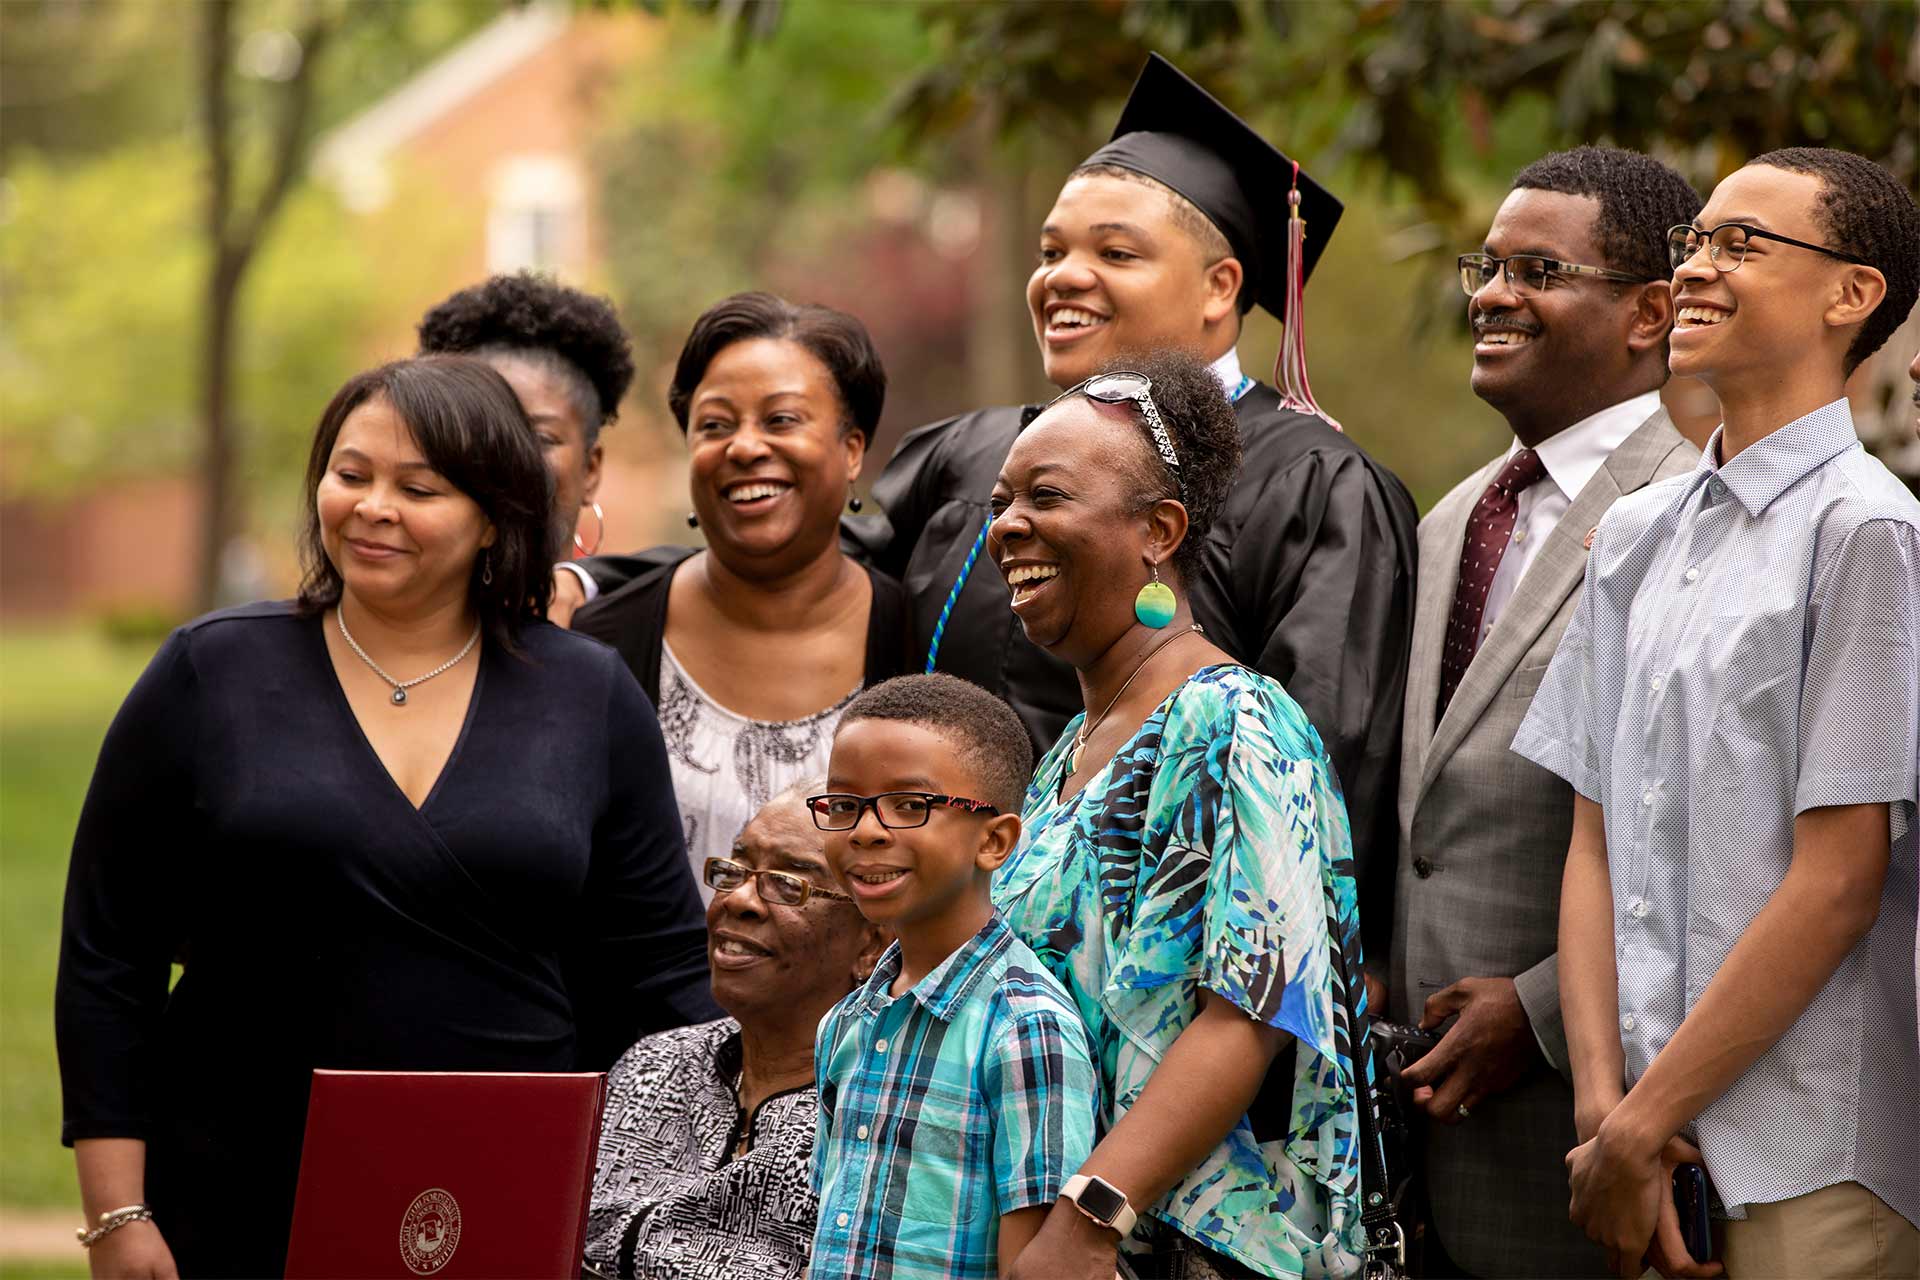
(1726, 245)
(1123, 386)
(1529, 273)
(897, 810)
(724, 875)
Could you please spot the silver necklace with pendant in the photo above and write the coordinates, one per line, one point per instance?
(400, 687)
(1088, 726)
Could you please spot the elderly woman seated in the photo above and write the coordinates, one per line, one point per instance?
(708, 1129)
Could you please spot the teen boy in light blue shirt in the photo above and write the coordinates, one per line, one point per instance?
(1737, 703)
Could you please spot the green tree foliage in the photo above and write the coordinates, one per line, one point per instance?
(97, 364)
(1417, 88)
(154, 286)
(732, 157)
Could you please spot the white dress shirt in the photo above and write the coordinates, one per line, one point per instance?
(1570, 457)
(1227, 369)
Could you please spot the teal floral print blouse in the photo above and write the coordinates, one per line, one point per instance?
(1210, 855)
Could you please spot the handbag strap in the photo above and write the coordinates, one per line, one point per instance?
(1386, 1239)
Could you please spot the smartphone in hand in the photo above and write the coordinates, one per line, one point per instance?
(1690, 1199)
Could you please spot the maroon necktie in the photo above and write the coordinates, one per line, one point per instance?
(1489, 530)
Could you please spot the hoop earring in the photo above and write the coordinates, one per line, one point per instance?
(1155, 604)
(693, 520)
(486, 569)
(600, 534)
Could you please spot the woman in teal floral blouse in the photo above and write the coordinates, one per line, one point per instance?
(1185, 851)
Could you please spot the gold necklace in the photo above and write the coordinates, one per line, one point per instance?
(1088, 726)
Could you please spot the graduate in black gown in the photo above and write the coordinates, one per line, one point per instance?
(1164, 238)
(1309, 571)
(476, 869)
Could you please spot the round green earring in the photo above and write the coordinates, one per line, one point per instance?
(1154, 605)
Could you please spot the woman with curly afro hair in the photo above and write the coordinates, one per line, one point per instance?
(569, 360)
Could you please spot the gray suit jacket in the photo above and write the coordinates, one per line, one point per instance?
(1483, 836)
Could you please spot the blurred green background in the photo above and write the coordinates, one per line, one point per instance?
(212, 213)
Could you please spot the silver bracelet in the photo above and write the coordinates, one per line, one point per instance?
(111, 1221)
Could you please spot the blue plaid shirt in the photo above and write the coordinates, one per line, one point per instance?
(970, 1097)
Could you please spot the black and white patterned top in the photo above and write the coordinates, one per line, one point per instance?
(726, 767)
(669, 1198)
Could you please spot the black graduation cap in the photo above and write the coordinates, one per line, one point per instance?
(1178, 134)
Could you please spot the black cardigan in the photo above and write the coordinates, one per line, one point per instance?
(633, 619)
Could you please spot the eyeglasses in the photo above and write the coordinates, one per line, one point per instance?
(1528, 273)
(1727, 246)
(1125, 387)
(895, 809)
(778, 887)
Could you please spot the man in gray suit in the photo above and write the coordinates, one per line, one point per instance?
(1570, 309)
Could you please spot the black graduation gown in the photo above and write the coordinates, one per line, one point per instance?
(1308, 578)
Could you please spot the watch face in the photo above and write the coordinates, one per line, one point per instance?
(1101, 1200)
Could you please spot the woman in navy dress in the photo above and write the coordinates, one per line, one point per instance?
(400, 823)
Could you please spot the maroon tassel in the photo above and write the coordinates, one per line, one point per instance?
(1290, 365)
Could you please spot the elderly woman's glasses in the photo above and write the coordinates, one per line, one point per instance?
(1528, 273)
(778, 887)
(1726, 246)
(896, 809)
(1126, 387)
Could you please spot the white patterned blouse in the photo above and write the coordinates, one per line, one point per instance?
(725, 766)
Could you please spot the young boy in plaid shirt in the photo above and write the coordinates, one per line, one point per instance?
(957, 1089)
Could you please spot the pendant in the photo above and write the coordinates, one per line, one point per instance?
(1073, 758)
(399, 697)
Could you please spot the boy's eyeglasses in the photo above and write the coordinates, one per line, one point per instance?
(778, 887)
(1528, 273)
(1126, 387)
(896, 810)
(1726, 246)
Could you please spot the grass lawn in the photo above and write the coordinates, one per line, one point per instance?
(74, 1268)
(58, 691)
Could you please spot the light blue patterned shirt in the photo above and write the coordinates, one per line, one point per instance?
(1211, 854)
(944, 1109)
(1747, 648)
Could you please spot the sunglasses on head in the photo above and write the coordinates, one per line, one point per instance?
(1123, 386)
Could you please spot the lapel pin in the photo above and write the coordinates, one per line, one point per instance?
(1588, 544)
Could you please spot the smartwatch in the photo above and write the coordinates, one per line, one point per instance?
(1100, 1200)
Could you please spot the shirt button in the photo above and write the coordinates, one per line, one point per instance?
(1422, 868)
(1639, 913)
(1693, 574)
(1626, 1024)
(1647, 799)
(840, 1221)
(880, 1046)
(1656, 683)
(861, 1133)
(1520, 534)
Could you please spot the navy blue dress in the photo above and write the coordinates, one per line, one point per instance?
(536, 913)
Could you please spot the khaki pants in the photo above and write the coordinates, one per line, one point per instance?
(1842, 1232)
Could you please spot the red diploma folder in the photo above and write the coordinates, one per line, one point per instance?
(445, 1174)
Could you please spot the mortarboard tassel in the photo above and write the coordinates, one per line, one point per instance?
(1290, 366)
